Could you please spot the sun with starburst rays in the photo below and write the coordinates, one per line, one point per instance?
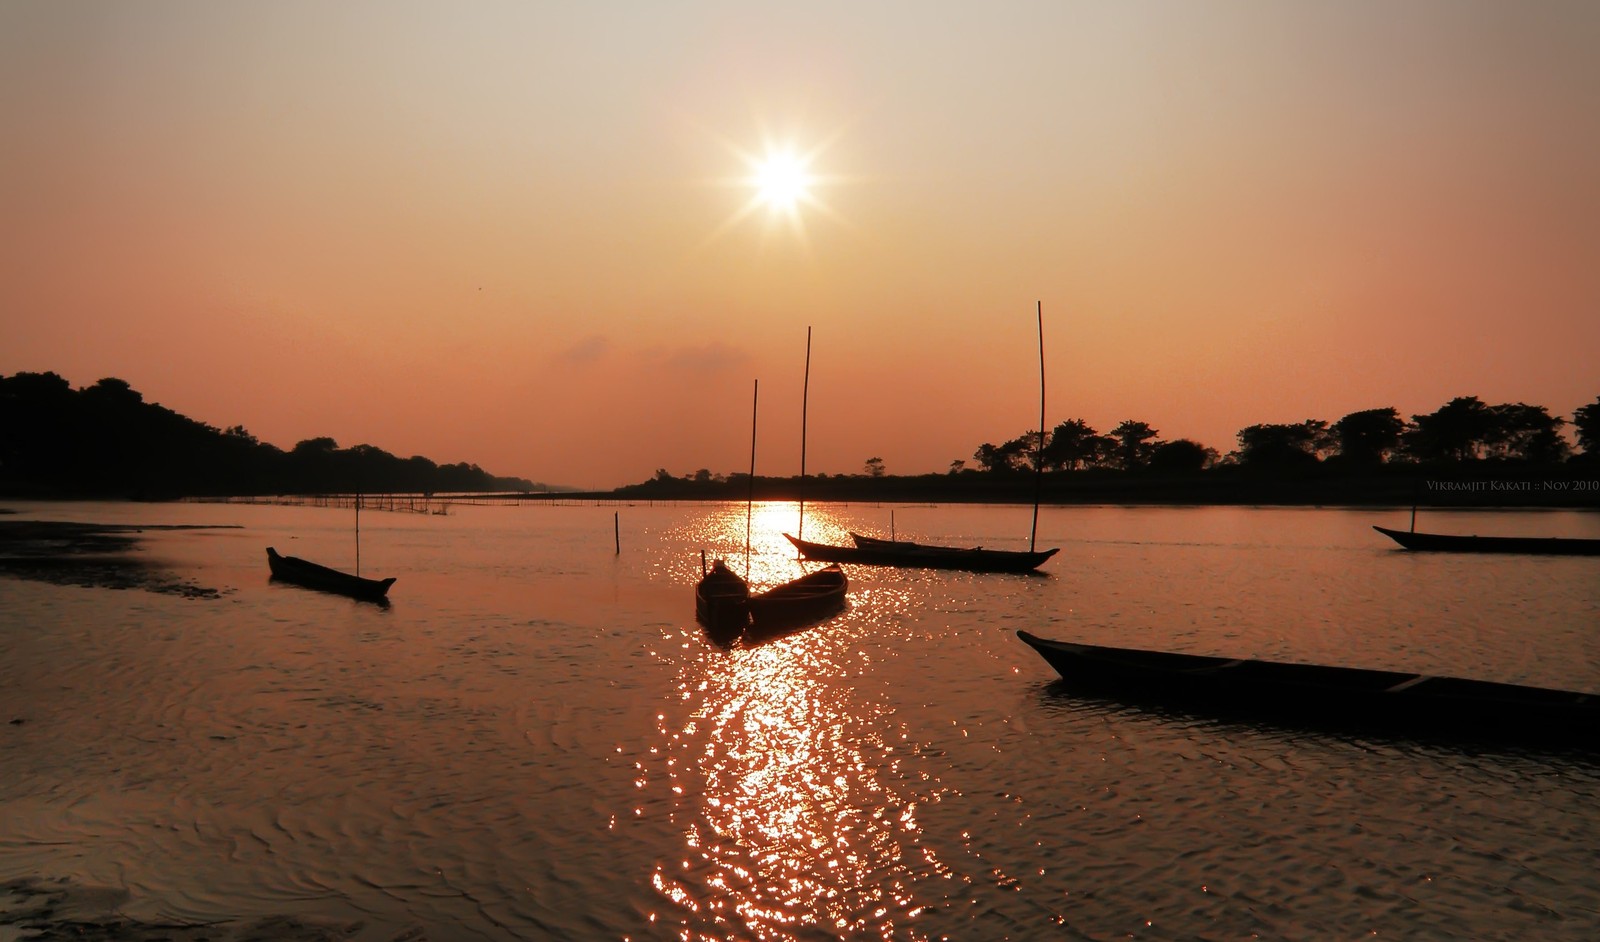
(783, 188)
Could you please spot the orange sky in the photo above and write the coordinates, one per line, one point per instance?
(520, 234)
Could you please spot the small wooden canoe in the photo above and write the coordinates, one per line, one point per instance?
(1453, 543)
(803, 601)
(313, 576)
(875, 552)
(729, 611)
(1271, 691)
(722, 603)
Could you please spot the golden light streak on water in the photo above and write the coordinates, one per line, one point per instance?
(791, 826)
(766, 559)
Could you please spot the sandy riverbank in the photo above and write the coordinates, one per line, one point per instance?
(88, 554)
(39, 910)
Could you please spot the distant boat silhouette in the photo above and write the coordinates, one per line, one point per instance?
(870, 551)
(313, 576)
(1452, 543)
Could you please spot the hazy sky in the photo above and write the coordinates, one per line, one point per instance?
(523, 234)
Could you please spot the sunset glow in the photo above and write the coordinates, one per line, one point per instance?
(400, 230)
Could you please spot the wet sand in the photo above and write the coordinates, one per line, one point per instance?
(51, 910)
(89, 554)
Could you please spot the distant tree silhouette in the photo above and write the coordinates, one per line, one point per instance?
(1134, 442)
(874, 467)
(1074, 444)
(1024, 450)
(1368, 437)
(1586, 420)
(1283, 447)
(990, 457)
(1455, 432)
(1465, 429)
(1014, 455)
(106, 440)
(1518, 431)
(1182, 456)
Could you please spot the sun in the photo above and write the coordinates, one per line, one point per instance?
(782, 189)
(781, 181)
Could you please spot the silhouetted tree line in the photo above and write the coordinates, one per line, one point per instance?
(1370, 456)
(1463, 430)
(105, 440)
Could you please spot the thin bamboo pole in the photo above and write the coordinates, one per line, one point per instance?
(805, 396)
(1038, 458)
(750, 497)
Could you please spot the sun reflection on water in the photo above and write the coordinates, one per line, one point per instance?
(789, 826)
(766, 559)
(785, 779)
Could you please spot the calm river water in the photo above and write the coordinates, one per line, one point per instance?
(535, 741)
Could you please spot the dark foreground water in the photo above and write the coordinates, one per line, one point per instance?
(535, 741)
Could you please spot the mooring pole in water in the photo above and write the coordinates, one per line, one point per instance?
(358, 533)
(1038, 456)
(805, 395)
(750, 497)
(616, 529)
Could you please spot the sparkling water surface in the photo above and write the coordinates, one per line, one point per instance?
(535, 741)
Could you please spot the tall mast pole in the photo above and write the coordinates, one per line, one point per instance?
(750, 498)
(1038, 457)
(805, 395)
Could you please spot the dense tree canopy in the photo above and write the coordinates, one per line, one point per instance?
(1463, 430)
(106, 440)
(1586, 419)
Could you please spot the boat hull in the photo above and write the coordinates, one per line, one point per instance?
(722, 603)
(1452, 543)
(1277, 692)
(310, 575)
(728, 611)
(803, 601)
(919, 556)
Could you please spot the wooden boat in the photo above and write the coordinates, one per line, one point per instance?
(1281, 691)
(803, 601)
(724, 604)
(312, 576)
(875, 552)
(1452, 543)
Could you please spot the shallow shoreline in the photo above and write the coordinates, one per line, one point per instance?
(91, 555)
(48, 910)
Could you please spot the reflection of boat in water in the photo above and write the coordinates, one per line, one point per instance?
(1453, 543)
(724, 604)
(1280, 691)
(870, 551)
(313, 576)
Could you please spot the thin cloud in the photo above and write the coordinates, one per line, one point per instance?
(591, 349)
(704, 359)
